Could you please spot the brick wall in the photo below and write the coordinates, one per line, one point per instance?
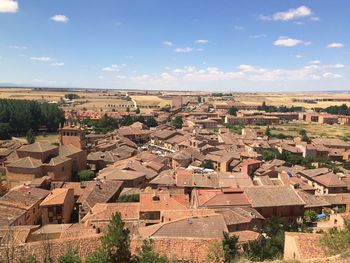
(193, 250)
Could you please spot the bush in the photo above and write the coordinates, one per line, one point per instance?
(86, 175)
(129, 198)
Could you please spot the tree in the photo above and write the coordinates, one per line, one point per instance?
(129, 198)
(337, 241)
(151, 122)
(177, 122)
(208, 164)
(229, 245)
(128, 109)
(215, 252)
(30, 259)
(233, 111)
(86, 175)
(116, 242)
(5, 131)
(71, 96)
(137, 111)
(98, 256)
(347, 165)
(268, 131)
(310, 216)
(69, 257)
(269, 155)
(30, 136)
(148, 255)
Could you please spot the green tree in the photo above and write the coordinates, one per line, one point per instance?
(310, 216)
(148, 255)
(347, 165)
(71, 96)
(215, 252)
(229, 245)
(337, 241)
(177, 122)
(129, 198)
(69, 257)
(30, 136)
(30, 259)
(151, 122)
(208, 164)
(137, 111)
(5, 131)
(268, 131)
(86, 175)
(233, 111)
(116, 242)
(98, 256)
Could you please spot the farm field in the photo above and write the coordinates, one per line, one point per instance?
(286, 99)
(313, 129)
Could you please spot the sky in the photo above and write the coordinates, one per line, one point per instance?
(209, 45)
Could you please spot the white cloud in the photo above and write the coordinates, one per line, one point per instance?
(100, 77)
(201, 41)
(299, 56)
(43, 59)
(18, 47)
(113, 68)
(8, 6)
(314, 62)
(314, 18)
(329, 75)
(183, 50)
(290, 14)
(120, 77)
(167, 43)
(60, 18)
(239, 28)
(338, 65)
(335, 45)
(258, 36)
(57, 64)
(289, 42)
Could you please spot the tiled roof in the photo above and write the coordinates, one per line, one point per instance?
(38, 147)
(270, 196)
(193, 227)
(56, 197)
(23, 196)
(27, 162)
(220, 198)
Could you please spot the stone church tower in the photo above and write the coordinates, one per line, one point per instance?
(73, 132)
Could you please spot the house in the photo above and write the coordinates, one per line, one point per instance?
(282, 201)
(100, 191)
(153, 202)
(249, 166)
(303, 246)
(57, 207)
(220, 198)
(43, 159)
(21, 206)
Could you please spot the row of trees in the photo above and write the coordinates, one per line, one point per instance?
(338, 110)
(107, 123)
(19, 116)
(270, 108)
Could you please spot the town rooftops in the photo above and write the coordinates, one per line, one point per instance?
(56, 197)
(194, 227)
(314, 172)
(38, 147)
(26, 162)
(272, 196)
(221, 198)
(23, 197)
(330, 180)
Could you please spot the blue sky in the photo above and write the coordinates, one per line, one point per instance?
(225, 45)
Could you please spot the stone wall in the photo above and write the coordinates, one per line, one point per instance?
(193, 250)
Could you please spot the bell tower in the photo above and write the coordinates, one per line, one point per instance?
(73, 132)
